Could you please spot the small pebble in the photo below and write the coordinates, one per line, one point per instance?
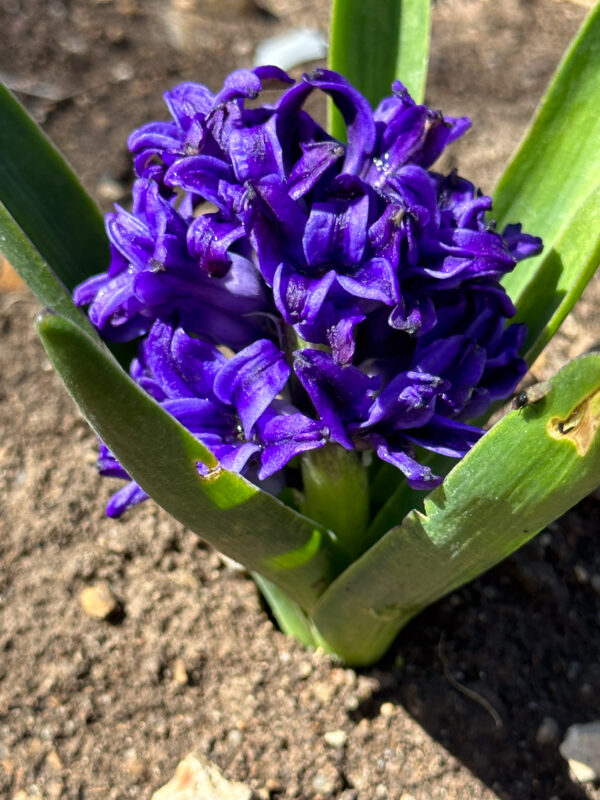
(109, 189)
(351, 703)
(54, 762)
(180, 676)
(336, 738)
(386, 709)
(234, 737)
(581, 574)
(324, 782)
(304, 670)
(548, 731)
(134, 766)
(98, 601)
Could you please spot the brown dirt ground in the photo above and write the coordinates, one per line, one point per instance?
(91, 709)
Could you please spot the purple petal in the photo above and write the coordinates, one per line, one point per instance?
(448, 437)
(316, 159)
(268, 72)
(233, 457)
(286, 436)
(209, 238)
(417, 319)
(408, 401)
(87, 291)
(159, 359)
(251, 380)
(339, 394)
(187, 100)
(374, 280)
(240, 83)
(255, 151)
(417, 475)
(356, 112)
(298, 297)
(336, 232)
(108, 466)
(200, 417)
(130, 495)
(158, 136)
(205, 176)
(521, 245)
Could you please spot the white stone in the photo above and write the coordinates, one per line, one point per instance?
(197, 778)
(336, 738)
(581, 748)
(291, 48)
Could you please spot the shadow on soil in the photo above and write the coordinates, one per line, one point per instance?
(484, 668)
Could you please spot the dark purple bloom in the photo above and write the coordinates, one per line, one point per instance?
(292, 291)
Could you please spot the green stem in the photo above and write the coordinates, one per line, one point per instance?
(290, 617)
(336, 493)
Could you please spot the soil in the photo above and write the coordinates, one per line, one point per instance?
(190, 660)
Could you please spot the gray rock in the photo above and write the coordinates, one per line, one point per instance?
(581, 748)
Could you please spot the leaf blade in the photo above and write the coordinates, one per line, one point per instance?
(225, 509)
(519, 477)
(373, 49)
(555, 169)
(564, 274)
(46, 199)
(35, 272)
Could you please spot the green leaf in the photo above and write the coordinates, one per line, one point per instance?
(562, 277)
(46, 200)
(46, 286)
(290, 617)
(225, 509)
(373, 44)
(35, 272)
(530, 468)
(550, 181)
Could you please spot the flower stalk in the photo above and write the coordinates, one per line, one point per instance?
(336, 492)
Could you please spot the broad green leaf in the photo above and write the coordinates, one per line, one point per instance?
(550, 180)
(373, 44)
(46, 286)
(35, 272)
(563, 275)
(529, 469)
(225, 509)
(46, 200)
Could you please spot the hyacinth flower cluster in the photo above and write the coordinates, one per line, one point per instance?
(289, 291)
(301, 329)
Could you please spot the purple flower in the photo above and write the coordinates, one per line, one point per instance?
(230, 405)
(290, 290)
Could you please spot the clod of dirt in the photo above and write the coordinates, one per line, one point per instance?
(197, 778)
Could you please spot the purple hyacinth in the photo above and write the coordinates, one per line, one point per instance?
(292, 291)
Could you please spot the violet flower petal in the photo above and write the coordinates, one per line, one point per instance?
(251, 380)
